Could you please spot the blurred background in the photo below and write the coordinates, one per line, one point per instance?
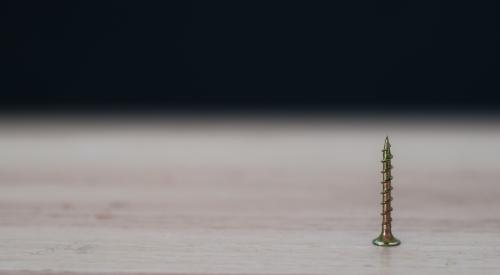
(211, 56)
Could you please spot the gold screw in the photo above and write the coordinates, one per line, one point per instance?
(386, 238)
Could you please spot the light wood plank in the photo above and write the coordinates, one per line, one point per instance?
(246, 197)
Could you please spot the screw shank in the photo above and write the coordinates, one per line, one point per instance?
(386, 238)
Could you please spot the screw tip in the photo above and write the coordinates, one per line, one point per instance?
(386, 143)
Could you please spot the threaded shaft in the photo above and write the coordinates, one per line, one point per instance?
(386, 187)
(386, 238)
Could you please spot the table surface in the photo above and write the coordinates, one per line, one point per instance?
(263, 196)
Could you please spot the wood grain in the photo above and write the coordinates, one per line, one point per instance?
(246, 197)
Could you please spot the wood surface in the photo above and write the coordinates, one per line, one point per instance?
(247, 196)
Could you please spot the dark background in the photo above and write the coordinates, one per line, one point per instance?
(249, 55)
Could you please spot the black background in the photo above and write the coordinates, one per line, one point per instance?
(225, 55)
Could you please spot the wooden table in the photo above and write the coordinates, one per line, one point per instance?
(247, 196)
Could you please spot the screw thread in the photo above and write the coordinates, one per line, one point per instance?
(386, 187)
(386, 238)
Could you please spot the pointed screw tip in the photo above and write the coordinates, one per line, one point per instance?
(386, 143)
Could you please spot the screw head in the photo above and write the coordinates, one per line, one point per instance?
(386, 241)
